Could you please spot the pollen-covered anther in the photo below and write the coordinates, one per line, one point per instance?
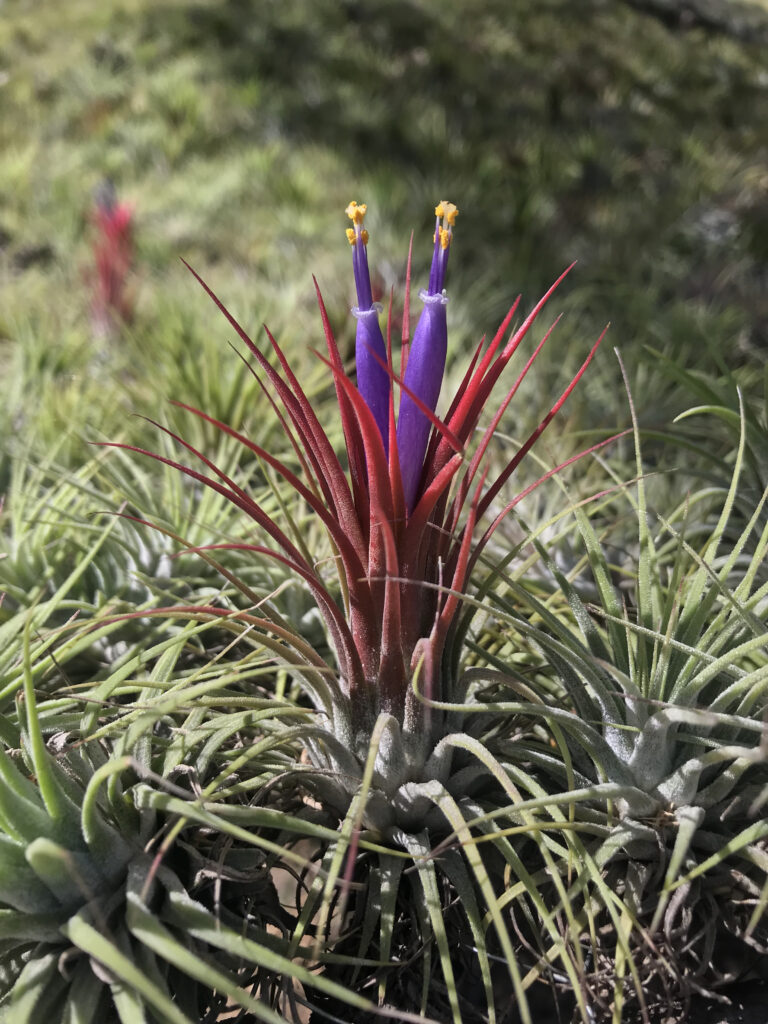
(448, 211)
(445, 237)
(351, 236)
(356, 212)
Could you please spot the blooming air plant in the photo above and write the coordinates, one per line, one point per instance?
(112, 301)
(409, 507)
(408, 517)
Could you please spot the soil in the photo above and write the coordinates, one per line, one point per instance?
(749, 1005)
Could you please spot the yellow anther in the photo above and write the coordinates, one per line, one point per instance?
(356, 212)
(445, 237)
(447, 211)
(353, 236)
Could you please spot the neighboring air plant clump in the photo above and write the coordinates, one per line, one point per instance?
(403, 518)
(113, 252)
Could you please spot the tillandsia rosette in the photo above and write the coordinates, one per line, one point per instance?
(104, 907)
(409, 506)
(113, 252)
(665, 714)
(403, 516)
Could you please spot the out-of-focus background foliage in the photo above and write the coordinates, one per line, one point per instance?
(630, 136)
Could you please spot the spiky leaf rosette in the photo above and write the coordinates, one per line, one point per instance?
(111, 910)
(707, 438)
(662, 708)
(403, 510)
(402, 519)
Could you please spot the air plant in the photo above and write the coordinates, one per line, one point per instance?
(663, 707)
(408, 513)
(113, 255)
(403, 520)
(96, 925)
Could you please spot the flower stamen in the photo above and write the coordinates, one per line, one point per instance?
(426, 360)
(370, 350)
(445, 214)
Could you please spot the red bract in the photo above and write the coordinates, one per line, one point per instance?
(402, 574)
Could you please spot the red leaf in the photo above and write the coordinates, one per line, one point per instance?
(465, 398)
(353, 565)
(491, 430)
(236, 496)
(536, 434)
(300, 409)
(480, 545)
(352, 670)
(393, 680)
(352, 437)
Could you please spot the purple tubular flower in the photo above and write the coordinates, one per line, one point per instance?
(373, 381)
(426, 361)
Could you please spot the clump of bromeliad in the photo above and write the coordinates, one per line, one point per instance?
(408, 519)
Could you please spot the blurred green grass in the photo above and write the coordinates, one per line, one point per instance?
(239, 129)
